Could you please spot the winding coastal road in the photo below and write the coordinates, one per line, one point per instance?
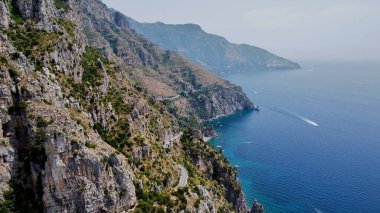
(184, 176)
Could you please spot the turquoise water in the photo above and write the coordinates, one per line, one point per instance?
(315, 145)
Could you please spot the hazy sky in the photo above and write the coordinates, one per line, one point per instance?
(296, 29)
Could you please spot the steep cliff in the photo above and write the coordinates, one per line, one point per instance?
(93, 114)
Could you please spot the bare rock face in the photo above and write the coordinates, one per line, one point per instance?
(83, 179)
(42, 10)
(257, 207)
(4, 15)
(7, 152)
(7, 155)
(120, 20)
(218, 101)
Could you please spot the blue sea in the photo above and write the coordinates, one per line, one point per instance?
(315, 144)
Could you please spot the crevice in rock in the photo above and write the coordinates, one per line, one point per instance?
(26, 180)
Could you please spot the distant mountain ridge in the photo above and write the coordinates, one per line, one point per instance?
(211, 51)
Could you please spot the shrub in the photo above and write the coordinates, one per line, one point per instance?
(41, 123)
(22, 105)
(197, 203)
(90, 145)
(69, 26)
(13, 72)
(144, 206)
(60, 4)
(48, 102)
(15, 13)
(3, 60)
(37, 152)
(7, 205)
(15, 55)
(92, 73)
(33, 42)
(120, 106)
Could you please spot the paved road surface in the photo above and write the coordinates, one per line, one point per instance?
(184, 176)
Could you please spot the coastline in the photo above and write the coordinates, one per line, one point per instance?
(257, 207)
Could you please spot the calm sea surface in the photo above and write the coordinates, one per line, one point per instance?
(315, 144)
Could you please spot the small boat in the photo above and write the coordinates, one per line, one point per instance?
(218, 146)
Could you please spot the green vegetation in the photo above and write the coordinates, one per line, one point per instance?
(15, 13)
(48, 102)
(77, 90)
(197, 203)
(13, 72)
(151, 201)
(8, 204)
(20, 107)
(3, 60)
(15, 55)
(117, 100)
(34, 43)
(189, 76)
(37, 152)
(69, 26)
(60, 4)
(118, 137)
(90, 145)
(92, 71)
(42, 123)
(187, 123)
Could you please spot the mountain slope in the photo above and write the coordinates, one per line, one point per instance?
(95, 118)
(211, 51)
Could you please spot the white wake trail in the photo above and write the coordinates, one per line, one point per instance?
(309, 121)
(293, 115)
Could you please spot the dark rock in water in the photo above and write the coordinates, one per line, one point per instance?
(257, 207)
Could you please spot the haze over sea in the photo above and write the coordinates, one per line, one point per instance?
(315, 144)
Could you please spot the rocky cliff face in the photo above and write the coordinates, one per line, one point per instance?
(91, 115)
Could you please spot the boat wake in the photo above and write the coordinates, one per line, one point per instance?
(287, 113)
(249, 142)
(292, 115)
(309, 121)
(253, 91)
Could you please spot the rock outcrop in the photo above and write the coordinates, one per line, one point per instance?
(4, 15)
(257, 207)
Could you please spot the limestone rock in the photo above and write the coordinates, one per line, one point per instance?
(257, 207)
(4, 15)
